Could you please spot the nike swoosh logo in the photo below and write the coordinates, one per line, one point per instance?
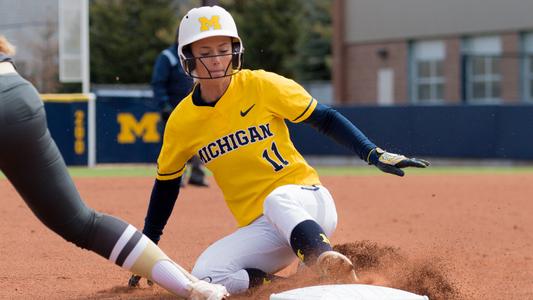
(244, 113)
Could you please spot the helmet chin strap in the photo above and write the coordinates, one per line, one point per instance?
(194, 74)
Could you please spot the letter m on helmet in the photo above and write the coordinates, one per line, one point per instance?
(206, 23)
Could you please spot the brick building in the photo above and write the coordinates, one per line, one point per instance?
(433, 52)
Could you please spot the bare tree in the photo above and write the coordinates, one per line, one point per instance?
(44, 73)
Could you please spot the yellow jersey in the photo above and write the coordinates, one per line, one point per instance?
(243, 140)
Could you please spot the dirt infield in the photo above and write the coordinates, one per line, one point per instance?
(448, 236)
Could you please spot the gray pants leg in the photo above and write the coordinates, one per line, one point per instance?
(197, 173)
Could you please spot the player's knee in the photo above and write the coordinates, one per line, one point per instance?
(272, 204)
(236, 282)
(267, 207)
(204, 271)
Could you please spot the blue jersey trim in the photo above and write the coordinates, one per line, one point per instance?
(306, 109)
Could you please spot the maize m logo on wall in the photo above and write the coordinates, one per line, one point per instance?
(206, 23)
(145, 128)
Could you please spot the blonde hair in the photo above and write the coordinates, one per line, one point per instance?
(6, 47)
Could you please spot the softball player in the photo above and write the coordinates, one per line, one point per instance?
(32, 163)
(282, 210)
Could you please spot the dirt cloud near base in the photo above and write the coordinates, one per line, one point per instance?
(378, 265)
(388, 266)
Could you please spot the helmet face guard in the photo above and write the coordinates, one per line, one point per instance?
(190, 62)
(204, 22)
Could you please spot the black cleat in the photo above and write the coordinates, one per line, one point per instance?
(134, 281)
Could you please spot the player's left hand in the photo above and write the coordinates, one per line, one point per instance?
(135, 281)
(393, 163)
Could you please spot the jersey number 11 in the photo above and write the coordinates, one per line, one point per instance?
(278, 165)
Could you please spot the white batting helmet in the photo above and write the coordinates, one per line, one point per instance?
(207, 21)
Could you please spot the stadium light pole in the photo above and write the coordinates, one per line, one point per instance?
(86, 85)
(74, 60)
(86, 82)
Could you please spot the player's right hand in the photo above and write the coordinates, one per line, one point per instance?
(135, 281)
(393, 163)
(203, 290)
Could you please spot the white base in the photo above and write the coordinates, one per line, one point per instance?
(346, 291)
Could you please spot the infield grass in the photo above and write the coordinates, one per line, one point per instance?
(149, 171)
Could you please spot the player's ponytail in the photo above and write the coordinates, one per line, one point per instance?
(6, 47)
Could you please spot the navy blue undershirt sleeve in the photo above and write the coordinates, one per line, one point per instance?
(333, 124)
(162, 200)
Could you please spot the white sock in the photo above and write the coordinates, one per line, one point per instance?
(166, 274)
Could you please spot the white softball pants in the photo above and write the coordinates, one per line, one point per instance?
(265, 243)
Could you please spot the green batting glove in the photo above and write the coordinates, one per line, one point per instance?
(393, 163)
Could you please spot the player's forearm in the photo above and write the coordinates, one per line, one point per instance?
(162, 200)
(333, 124)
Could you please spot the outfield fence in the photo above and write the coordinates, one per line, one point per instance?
(115, 129)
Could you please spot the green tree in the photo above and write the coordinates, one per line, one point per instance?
(314, 59)
(127, 35)
(289, 37)
(269, 30)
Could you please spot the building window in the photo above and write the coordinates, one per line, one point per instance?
(528, 66)
(483, 59)
(427, 71)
